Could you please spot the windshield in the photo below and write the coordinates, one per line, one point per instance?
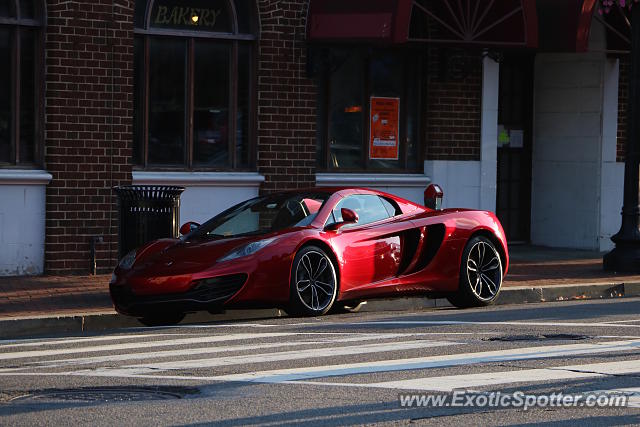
(264, 215)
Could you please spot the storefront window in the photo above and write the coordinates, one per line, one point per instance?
(211, 104)
(167, 89)
(194, 85)
(20, 71)
(346, 115)
(368, 109)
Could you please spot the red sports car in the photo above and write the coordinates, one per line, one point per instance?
(309, 251)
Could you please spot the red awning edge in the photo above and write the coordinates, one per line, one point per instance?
(584, 25)
(389, 22)
(531, 23)
(383, 21)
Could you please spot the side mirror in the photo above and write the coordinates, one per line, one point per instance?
(188, 227)
(348, 217)
(433, 196)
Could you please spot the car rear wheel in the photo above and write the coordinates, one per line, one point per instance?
(314, 284)
(161, 319)
(480, 274)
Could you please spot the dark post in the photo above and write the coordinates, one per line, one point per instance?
(626, 255)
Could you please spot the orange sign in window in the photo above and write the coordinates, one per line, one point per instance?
(384, 128)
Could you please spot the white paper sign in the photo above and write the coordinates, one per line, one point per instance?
(516, 138)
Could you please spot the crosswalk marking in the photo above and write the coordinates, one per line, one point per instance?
(271, 357)
(469, 381)
(63, 341)
(540, 352)
(324, 323)
(146, 344)
(315, 352)
(181, 341)
(492, 323)
(211, 350)
(632, 392)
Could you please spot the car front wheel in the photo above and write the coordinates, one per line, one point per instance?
(314, 284)
(480, 274)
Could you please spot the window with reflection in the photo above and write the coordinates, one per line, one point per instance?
(21, 50)
(348, 79)
(194, 84)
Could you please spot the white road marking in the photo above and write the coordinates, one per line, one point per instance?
(622, 324)
(74, 340)
(469, 381)
(498, 323)
(633, 394)
(306, 373)
(624, 321)
(269, 357)
(209, 350)
(147, 344)
(216, 326)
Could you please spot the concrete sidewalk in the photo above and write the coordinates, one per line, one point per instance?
(536, 274)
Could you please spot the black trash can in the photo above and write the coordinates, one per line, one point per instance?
(146, 213)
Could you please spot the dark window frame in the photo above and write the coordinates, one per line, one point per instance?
(234, 39)
(18, 26)
(322, 74)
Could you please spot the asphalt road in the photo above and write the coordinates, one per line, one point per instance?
(339, 370)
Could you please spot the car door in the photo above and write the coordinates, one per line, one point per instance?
(369, 250)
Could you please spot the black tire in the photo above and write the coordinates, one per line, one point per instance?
(161, 319)
(314, 283)
(340, 307)
(480, 275)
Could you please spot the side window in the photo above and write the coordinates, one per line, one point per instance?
(368, 207)
(392, 208)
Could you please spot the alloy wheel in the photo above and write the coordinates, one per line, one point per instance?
(484, 270)
(315, 280)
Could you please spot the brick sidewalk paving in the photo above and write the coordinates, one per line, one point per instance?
(45, 295)
(530, 266)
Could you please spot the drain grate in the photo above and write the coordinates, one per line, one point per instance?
(111, 394)
(542, 337)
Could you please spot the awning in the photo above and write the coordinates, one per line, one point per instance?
(564, 25)
(493, 23)
(384, 21)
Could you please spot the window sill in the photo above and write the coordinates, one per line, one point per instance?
(198, 179)
(372, 179)
(24, 177)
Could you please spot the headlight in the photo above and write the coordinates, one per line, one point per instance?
(246, 250)
(128, 260)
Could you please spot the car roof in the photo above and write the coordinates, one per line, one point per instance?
(332, 190)
(344, 191)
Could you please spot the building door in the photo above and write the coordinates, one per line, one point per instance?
(515, 116)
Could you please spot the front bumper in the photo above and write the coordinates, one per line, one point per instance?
(206, 294)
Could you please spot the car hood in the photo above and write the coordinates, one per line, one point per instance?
(189, 256)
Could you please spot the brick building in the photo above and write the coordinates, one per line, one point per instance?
(514, 106)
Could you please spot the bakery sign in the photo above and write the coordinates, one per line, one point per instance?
(384, 128)
(194, 15)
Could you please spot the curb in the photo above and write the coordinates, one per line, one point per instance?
(21, 327)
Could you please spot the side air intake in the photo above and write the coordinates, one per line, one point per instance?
(434, 238)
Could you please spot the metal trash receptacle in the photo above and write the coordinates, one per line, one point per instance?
(146, 213)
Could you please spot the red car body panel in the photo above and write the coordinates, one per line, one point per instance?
(417, 251)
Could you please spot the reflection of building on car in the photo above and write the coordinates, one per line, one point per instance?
(310, 250)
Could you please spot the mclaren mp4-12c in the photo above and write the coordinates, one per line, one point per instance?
(311, 251)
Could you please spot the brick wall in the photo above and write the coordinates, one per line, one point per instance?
(89, 61)
(623, 105)
(286, 98)
(454, 97)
